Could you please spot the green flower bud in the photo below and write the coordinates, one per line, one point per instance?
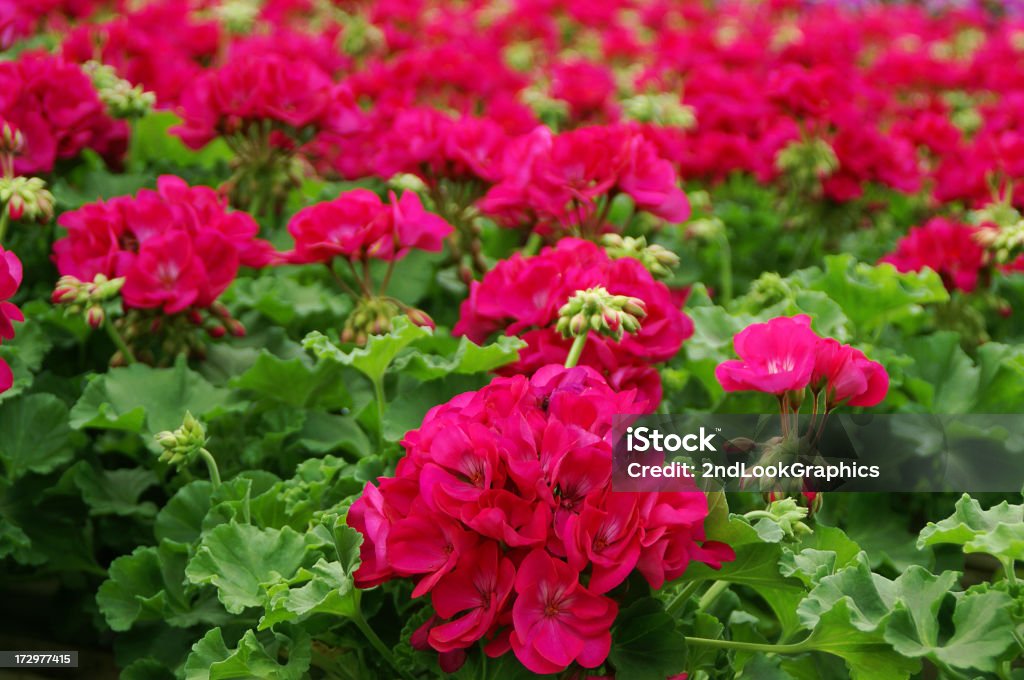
(122, 99)
(663, 109)
(656, 259)
(595, 309)
(26, 198)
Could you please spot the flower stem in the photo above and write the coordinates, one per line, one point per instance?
(794, 648)
(711, 594)
(371, 635)
(684, 594)
(115, 337)
(211, 465)
(533, 244)
(378, 395)
(725, 263)
(5, 219)
(576, 350)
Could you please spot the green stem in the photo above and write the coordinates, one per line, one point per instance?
(378, 395)
(375, 642)
(1011, 572)
(118, 341)
(211, 465)
(711, 594)
(725, 264)
(533, 244)
(576, 350)
(795, 648)
(684, 594)
(5, 219)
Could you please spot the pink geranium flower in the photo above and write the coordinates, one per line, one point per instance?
(775, 357)
(557, 620)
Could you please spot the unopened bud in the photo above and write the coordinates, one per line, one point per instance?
(598, 310)
(122, 99)
(95, 316)
(12, 142)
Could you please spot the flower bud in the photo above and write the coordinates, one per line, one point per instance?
(122, 99)
(95, 316)
(12, 142)
(598, 310)
(419, 317)
(16, 207)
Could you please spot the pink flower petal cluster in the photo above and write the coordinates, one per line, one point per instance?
(784, 355)
(161, 45)
(522, 296)
(54, 105)
(947, 247)
(258, 86)
(177, 247)
(502, 511)
(358, 225)
(10, 281)
(558, 179)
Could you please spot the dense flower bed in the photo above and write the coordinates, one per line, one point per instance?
(319, 322)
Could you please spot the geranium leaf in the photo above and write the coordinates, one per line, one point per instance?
(645, 643)
(241, 560)
(212, 660)
(140, 398)
(34, 435)
(380, 350)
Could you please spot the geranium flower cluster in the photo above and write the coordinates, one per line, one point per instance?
(178, 247)
(10, 281)
(564, 182)
(502, 512)
(261, 87)
(55, 107)
(358, 226)
(522, 295)
(783, 357)
(949, 248)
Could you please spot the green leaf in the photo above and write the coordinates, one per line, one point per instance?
(873, 296)
(181, 520)
(143, 399)
(943, 379)
(869, 597)
(325, 432)
(998, 531)
(645, 643)
(373, 359)
(149, 585)
(866, 653)
(112, 492)
(755, 566)
(152, 143)
(982, 622)
(212, 660)
(437, 356)
(34, 435)
(294, 382)
(242, 560)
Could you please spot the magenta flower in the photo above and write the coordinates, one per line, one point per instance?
(848, 376)
(775, 357)
(10, 280)
(558, 621)
(478, 590)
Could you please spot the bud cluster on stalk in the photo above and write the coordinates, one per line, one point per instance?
(658, 260)
(20, 197)
(807, 161)
(663, 109)
(26, 198)
(373, 316)
(86, 297)
(595, 309)
(1002, 232)
(122, 99)
(182, 446)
